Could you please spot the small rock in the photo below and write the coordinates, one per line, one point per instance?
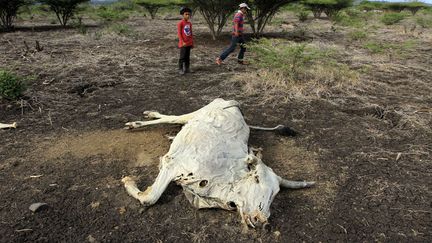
(277, 233)
(95, 204)
(91, 239)
(122, 210)
(36, 207)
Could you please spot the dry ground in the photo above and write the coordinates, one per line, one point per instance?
(369, 151)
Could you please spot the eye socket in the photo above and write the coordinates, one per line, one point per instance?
(232, 204)
(203, 183)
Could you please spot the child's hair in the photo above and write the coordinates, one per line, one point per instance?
(185, 10)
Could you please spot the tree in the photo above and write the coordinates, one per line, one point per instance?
(216, 13)
(329, 7)
(64, 9)
(414, 6)
(8, 11)
(262, 11)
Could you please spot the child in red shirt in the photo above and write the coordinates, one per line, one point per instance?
(184, 32)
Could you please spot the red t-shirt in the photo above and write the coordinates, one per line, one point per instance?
(184, 32)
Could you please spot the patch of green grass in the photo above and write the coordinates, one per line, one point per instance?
(358, 35)
(121, 29)
(109, 14)
(288, 69)
(424, 21)
(12, 86)
(398, 49)
(342, 18)
(392, 18)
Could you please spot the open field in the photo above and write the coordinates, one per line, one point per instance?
(368, 146)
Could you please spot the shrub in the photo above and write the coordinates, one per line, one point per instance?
(392, 18)
(287, 69)
(370, 6)
(111, 14)
(414, 7)
(302, 15)
(358, 35)
(64, 9)
(153, 6)
(8, 11)
(424, 22)
(121, 29)
(329, 7)
(11, 86)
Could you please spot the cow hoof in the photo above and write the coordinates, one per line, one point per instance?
(128, 180)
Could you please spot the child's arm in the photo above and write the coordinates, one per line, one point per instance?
(179, 33)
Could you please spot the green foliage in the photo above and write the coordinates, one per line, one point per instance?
(11, 86)
(358, 35)
(342, 18)
(329, 7)
(111, 14)
(153, 6)
(64, 9)
(121, 29)
(392, 18)
(395, 7)
(286, 68)
(414, 7)
(302, 15)
(424, 21)
(8, 12)
(370, 6)
(398, 49)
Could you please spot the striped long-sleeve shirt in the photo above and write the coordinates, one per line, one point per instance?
(238, 23)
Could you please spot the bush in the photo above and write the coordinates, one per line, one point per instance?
(424, 22)
(121, 29)
(111, 14)
(329, 7)
(358, 35)
(392, 18)
(288, 69)
(8, 11)
(370, 6)
(11, 86)
(414, 7)
(153, 6)
(64, 9)
(302, 15)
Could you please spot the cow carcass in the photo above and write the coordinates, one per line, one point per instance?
(4, 126)
(211, 160)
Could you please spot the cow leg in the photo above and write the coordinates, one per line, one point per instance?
(150, 196)
(160, 119)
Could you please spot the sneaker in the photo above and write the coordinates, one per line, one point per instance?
(218, 61)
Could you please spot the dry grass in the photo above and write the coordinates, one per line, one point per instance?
(289, 71)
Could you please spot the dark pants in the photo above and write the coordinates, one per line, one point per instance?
(184, 57)
(234, 41)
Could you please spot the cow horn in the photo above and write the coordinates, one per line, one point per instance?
(295, 184)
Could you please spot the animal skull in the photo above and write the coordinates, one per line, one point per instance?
(13, 125)
(211, 160)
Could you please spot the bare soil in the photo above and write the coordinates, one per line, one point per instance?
(370, 152)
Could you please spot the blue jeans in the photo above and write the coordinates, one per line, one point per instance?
(234, 41)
